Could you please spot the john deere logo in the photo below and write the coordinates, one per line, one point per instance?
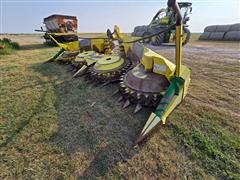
(159, 67)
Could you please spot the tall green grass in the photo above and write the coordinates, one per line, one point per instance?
(8, 47)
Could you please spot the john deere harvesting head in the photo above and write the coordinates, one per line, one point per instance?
(96, 51)
(146, 78)
(108, 66)
(157, 82)
(91, 50)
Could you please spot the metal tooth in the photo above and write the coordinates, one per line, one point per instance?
(76, 73)
(155, 96)
(122, 85)
(126, 104)
(127, 90)
(137, 108)
(120, 99)
(146, 95)
(162, 93)
(138, 95)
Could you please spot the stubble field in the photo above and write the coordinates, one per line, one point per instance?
(53, 126)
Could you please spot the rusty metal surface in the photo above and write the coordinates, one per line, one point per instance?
(153, 83)
(61, 23)
(133, 58)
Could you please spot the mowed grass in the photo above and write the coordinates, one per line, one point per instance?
(54, 126)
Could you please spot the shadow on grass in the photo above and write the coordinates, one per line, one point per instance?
(34, 46)
(92, 126)
(21, 126)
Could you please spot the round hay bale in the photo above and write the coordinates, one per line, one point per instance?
(235, 27)
(216, 36)
(210, 28)
(204, 36)
(232, 36)
(223, 28)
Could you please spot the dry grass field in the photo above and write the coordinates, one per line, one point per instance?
(53, 126)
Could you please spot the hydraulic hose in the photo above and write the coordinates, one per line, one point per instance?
(136, 40)
(151, 35)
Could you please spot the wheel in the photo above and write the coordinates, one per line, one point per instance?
(148, 40)
(158, 40)
(186, 36)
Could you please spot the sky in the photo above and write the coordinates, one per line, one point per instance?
(23, 16)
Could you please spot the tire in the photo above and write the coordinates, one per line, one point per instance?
(158, 40)
(186, 30)
(146, 40)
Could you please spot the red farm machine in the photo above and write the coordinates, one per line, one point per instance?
(58, 24)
